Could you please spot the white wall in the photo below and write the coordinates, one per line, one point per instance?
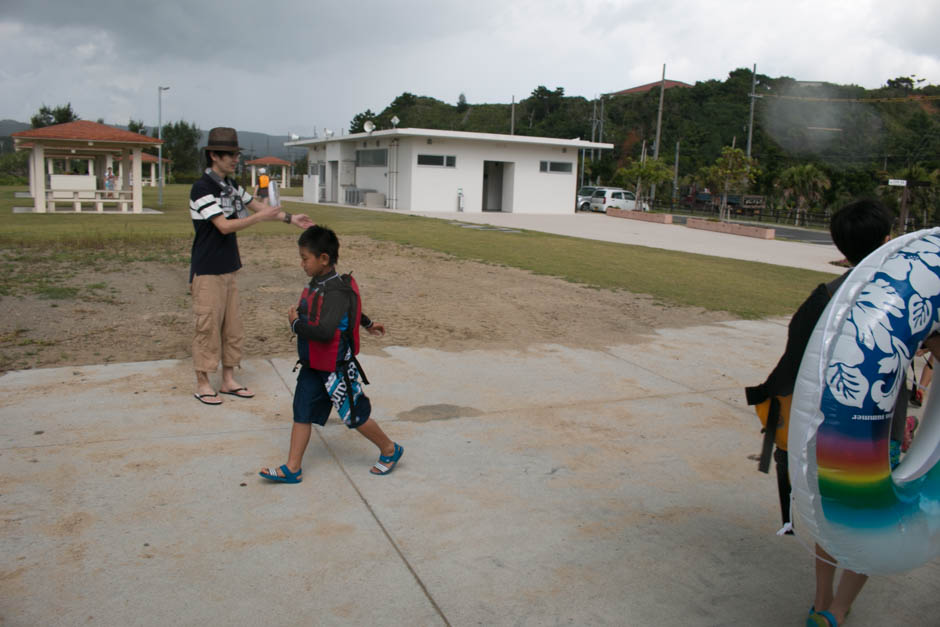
(524, 188)
(422, 188)
(372, 178)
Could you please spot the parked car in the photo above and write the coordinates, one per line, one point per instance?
(605, 198)
(584, 198)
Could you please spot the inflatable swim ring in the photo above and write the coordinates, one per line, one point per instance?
(845, 496)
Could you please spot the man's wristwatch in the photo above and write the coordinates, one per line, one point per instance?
(287, 217)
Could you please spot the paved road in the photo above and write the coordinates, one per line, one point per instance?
(797, 252)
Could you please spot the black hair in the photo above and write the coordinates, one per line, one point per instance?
(859, 228)
(208, 156)
(320, 239)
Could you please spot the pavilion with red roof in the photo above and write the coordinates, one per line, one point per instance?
(152, 161)
(101, 146)
(268, 162)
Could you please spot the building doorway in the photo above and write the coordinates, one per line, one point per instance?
(494, 174)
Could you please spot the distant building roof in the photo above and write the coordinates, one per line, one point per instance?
(460, 135)
(268, 161)
(644, 88)
(85, 130)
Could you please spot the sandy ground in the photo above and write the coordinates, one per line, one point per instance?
(142, 311)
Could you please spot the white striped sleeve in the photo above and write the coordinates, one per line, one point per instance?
(204, 208)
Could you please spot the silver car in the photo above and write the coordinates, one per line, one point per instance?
(583, 203)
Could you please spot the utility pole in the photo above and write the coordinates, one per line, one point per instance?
(659, 125)
(512, 123)
(675, 178)
(639, 180)
(160, 90)
(750, 124)
(593, 128)
(600, 137)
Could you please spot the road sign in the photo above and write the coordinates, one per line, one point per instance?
(897, 182)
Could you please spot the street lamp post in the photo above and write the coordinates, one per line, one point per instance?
(160, 90)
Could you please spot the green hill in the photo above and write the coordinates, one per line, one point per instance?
(858, 137)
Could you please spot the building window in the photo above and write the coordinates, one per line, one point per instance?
(440, 161)
(372, 158)
(555, 166)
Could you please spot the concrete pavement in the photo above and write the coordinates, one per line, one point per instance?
(547, 486)
(541, 487)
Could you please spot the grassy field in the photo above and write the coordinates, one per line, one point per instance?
(745, 289)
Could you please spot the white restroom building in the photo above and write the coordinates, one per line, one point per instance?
(425, 170)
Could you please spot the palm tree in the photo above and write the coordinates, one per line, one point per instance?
(805, 184)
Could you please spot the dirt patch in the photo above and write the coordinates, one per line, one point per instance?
(141, 311)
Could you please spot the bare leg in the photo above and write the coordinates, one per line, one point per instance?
(228, 380)
(926, 375)
(850, 584)
(374, 434)
(202, 383)
(299, 438)
(825, 577)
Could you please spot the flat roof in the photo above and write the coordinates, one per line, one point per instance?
(427, 132)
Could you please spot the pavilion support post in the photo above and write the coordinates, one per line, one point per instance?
(285, 182)
(125, 167)
(153, 175)
(37, 179)
(253, 180)
(138, 196)
(91, 166)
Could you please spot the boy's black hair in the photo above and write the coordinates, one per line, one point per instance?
(859, 228)
(320, 239)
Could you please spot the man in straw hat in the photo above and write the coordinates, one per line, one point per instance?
(220, 207)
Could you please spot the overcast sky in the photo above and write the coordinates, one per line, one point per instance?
(296, 65)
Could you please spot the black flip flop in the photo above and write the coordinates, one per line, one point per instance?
(236, 391)
(199, 398)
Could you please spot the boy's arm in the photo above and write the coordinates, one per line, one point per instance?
(370, 325)
(783, 378)
(323, 326)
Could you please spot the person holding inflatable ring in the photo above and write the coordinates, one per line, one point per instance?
(857, 230)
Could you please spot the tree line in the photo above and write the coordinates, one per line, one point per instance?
(814, 146)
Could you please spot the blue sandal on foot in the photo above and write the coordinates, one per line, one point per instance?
(821, 618)
(289, 477)
(387, 463)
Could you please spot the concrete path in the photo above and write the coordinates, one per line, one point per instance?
(546, 487)
(599, 226)
(606, 228)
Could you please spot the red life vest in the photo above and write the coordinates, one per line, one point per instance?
(322, 355)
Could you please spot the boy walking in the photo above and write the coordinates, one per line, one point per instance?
(326, 322)
(857, 230)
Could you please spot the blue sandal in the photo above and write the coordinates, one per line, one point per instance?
(289, 477)
(822, 618)
(387, 463)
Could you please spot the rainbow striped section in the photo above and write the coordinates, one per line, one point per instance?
(854, 473)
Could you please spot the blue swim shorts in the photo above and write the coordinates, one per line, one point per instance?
(318, 391)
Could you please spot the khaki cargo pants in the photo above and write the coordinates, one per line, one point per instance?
(219, 333)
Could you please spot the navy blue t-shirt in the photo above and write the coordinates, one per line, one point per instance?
(213, 251)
